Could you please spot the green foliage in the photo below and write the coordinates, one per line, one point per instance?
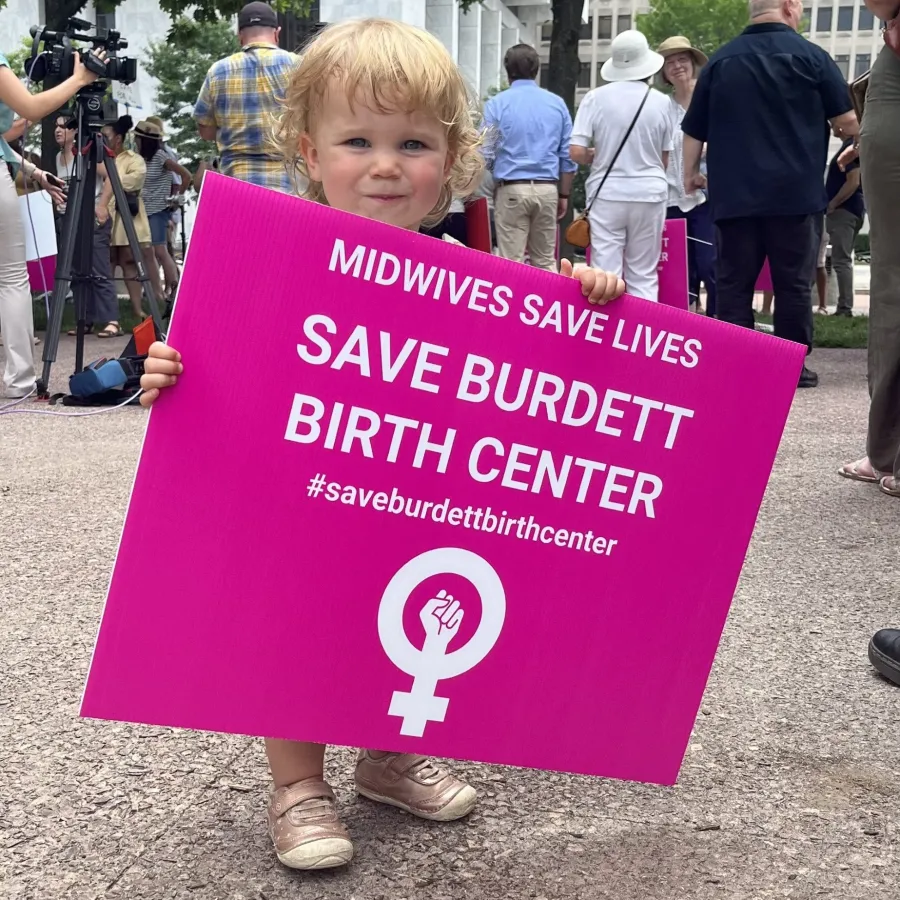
(861, 244)
(707, 25)
(17, 58)
(180, 64)
(579, 200)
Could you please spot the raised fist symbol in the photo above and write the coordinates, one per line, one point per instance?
(441, 617)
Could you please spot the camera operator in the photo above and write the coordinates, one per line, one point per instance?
(16, 316)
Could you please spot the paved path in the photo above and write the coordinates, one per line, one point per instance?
(788, 790)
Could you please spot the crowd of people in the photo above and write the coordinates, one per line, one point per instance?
(378, 110)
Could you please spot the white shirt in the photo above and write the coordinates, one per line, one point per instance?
(675, 170)
(603, 118)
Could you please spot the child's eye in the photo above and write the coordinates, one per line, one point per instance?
(413, 145)
(357, 142)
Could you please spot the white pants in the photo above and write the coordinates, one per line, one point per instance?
(626, 239)
(16, 314)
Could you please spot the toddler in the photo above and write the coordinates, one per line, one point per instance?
(377, 122)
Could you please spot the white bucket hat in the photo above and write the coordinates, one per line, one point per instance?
(632, 59)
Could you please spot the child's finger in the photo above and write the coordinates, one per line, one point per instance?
(149, 397)
(149, 382)
(162, 366)
(159, 350)
(565, 268)
(612, 288)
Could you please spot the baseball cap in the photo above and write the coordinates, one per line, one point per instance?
(257, 15)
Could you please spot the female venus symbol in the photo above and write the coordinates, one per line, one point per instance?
(432, 663)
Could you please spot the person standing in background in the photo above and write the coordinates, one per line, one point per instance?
(846, 214)
(132, 172)
(16, 311)
(241, 97)
(175, 202)
(629, 118)
(682, 64)
(527, 151)
(760, 106)
(879, 154)
(156, 192)
(103, 303)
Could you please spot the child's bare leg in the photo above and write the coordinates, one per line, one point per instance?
(293, 761)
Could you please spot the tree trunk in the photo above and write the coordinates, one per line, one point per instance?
(58, 13)
(564, 62)
(563, 74)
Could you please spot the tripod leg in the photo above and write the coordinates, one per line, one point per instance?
(63, 276)
(133, 243)
(84, 254)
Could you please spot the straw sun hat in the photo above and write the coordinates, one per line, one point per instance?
(680, 44)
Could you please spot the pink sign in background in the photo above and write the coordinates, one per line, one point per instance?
(304, 590)
(673, 265)
(764, 281)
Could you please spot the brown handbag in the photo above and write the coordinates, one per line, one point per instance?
(578, 234)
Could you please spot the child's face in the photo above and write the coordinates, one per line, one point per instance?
(385, 166)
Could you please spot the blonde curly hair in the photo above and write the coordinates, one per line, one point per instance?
(397, 66)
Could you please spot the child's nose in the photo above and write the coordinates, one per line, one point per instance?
(385, 165)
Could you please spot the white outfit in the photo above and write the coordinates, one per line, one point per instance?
(675, 170)
(627, 218)
(16, 314)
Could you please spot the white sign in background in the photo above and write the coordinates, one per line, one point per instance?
(36, 211)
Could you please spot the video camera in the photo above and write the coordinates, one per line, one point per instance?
(58, 55)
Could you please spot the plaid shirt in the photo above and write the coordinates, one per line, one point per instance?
(240, 96)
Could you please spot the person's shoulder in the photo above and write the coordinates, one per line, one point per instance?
(221, 67)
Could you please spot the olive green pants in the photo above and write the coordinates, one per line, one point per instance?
(880, 164)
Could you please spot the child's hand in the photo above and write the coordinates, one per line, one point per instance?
(598, 286)
(161, 369)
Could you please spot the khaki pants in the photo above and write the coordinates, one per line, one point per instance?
(843, 227)
(525, 218)
(16, 314)
(880, 163)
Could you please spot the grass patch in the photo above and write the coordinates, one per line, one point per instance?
(127, 318)
(836, 331)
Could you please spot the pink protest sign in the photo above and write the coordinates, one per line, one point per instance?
(673, 265)
(417, 497)
(764, 281)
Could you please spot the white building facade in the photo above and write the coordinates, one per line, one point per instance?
(477, 39)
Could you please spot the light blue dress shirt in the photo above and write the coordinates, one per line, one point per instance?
(7, 116)
(527, 134)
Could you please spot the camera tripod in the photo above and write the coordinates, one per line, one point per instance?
(74, 264)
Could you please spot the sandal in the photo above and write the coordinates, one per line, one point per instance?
(88, 329)
(852, 471)
(890, 485)
(111, 331)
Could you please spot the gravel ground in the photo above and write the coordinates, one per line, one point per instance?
(788, 788)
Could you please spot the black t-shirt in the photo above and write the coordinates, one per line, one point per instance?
(761, 105)
(835, 181)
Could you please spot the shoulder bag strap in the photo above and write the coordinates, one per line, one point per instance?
(621, 147)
